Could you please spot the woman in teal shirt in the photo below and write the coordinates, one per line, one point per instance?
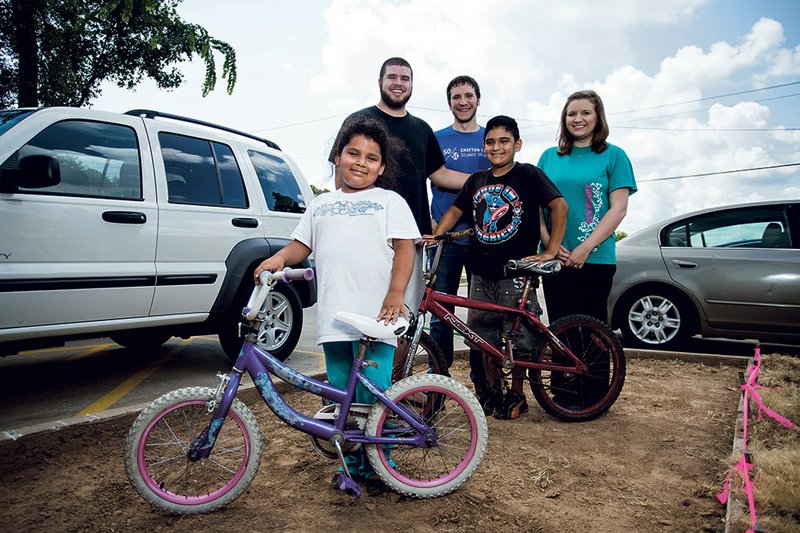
(596, 179)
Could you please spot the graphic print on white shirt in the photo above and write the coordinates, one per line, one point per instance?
(351, 236)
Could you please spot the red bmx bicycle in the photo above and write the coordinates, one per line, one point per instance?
(577, 369)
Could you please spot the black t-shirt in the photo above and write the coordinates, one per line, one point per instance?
(504, 212)
(421, 158)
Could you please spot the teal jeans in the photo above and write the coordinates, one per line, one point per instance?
(338, 364)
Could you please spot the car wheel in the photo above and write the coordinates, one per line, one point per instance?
(141, 339)
(656, 318)
(280, 329)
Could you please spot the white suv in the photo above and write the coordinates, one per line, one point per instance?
(140, 226)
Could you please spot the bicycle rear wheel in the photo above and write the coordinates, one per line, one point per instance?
(574, 397)
(156, 453)
(458, 423)
(427, 358)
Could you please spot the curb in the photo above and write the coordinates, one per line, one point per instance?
(708, 359)
(247, 393)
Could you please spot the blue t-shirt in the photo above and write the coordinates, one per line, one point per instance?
(462, 152)
(586, 180)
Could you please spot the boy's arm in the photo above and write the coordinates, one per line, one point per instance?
(558, 224)
(450, 218)
(291, 254)
(448, 178)
(393, 305)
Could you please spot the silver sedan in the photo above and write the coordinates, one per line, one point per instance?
(731, 272)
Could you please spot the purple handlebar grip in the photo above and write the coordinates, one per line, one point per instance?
(295, 274)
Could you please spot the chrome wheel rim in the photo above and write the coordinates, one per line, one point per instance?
(654, 319)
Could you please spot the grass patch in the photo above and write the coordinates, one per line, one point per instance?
(775, 451)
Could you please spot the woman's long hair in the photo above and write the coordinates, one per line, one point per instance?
(565, 139)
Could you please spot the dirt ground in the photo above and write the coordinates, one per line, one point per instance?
(651, 464)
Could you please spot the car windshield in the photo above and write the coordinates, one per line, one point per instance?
(9, 117)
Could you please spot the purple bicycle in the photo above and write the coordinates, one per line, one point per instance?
(196, 449)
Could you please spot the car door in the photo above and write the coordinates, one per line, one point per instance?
(741, 264)
(81, 251)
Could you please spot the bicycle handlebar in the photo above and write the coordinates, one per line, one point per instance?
(296, 274)
(453, 235)
(544, 268)
(268, 280)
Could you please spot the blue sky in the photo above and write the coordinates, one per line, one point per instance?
(662, 68)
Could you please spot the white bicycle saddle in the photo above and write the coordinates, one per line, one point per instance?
(372, 328)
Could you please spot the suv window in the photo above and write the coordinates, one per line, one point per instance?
(278, 183)
(96, 159)
(9, 117)
(201, 172)
(752, 227)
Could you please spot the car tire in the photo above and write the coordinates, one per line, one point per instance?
(656, 318)
(278, 334)
(141, 339)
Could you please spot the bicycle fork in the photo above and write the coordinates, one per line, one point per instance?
(201, 446)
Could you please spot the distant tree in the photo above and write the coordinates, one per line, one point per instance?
(619, 235)
(317, 191)
(58, 52)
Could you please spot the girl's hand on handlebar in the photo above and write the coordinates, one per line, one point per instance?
(392, 308)
(271, 264)
(428, 239)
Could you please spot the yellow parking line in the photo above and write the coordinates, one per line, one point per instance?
(307, 352)
(129, 384)
(90, 350)
(60, 349)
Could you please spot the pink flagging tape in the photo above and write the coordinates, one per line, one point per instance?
(743, 467)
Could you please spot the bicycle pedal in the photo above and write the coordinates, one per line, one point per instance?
(350, 487)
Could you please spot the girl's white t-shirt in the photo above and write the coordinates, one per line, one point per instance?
(351, 237)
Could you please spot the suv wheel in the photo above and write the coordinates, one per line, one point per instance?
(280, 330)
(141, 339)
(656, 318)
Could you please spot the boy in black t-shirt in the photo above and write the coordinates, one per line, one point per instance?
(504, 204)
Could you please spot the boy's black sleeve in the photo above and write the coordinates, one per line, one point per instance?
(463, 200)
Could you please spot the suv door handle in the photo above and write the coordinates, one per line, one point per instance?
(684, 264)
(125, 217)
(245, 222)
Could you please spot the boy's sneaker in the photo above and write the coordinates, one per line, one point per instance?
(512, 406)
(490, 399)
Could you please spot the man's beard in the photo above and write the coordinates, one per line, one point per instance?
(388, 99)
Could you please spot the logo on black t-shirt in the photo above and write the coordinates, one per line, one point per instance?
(498, 212)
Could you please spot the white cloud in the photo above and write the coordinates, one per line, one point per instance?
(528, 56)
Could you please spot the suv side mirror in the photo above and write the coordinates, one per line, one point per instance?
(32, 172)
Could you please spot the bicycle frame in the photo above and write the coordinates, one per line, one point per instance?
(261, 365)
(434, 301)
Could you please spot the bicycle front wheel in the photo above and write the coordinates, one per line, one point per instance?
(460, 429)
(156, 453)
(575, 397)
(427, 358)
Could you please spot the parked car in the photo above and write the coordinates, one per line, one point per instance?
(731, 272)
(141, 226)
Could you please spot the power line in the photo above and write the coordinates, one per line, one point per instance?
(706, 129)
(293, 124)
(720, 172)
(702, 110)
(706, 98)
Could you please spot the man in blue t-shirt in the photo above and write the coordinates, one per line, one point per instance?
(462, 149)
